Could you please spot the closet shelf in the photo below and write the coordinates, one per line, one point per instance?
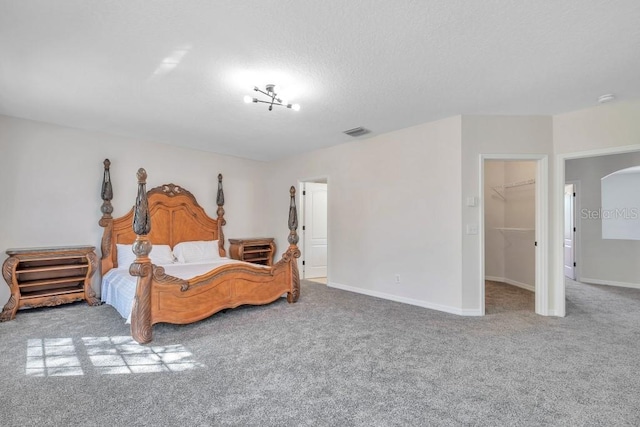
(499, 189)
(515, 229)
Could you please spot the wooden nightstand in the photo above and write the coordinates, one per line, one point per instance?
(40, 277)
(255, 250)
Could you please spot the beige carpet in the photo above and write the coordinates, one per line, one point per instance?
(501, 298)
(334, 358)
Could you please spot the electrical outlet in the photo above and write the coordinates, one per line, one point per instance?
(397, 278)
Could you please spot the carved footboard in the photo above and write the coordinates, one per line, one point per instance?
(180, 301)
(164, 298)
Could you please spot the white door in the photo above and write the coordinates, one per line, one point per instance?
(315, 230)
(569, 231)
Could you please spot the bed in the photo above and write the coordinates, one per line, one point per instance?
(203, 281)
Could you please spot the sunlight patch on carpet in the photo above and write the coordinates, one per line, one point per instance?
(50, 357)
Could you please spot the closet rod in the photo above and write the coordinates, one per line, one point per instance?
(517, 184)
(498, 188)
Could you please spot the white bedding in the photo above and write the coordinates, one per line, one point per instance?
(119, 287)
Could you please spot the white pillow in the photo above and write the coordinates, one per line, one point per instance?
(197, 251)
(125, 255)
(161, 255)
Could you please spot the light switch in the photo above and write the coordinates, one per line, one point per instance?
(472, 229)
(472, 201)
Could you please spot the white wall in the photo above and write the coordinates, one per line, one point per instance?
(621, 204)
(520, 212)
(390, 206)
(601, 260)
(605, 126)
(393, 208)
(51, 178)
(491, 135)
(494, 240)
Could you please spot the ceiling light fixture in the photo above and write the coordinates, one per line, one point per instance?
(274, 100)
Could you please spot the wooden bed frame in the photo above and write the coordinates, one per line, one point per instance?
(168, 215)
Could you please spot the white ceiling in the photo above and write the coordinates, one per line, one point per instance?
(176, 71)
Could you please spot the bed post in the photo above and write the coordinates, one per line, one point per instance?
(106, 221)
(141, 311)
(221, 220)
(293, 252)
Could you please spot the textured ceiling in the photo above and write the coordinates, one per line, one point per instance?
(176, 71)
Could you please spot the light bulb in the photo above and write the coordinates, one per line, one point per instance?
(295, 107)
(248, 99)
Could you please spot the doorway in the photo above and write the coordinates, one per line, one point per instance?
(570, 193)
(510, 218)
(529, 238)
(607, 255)
(314, 236)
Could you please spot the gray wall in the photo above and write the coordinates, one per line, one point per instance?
(602, 261)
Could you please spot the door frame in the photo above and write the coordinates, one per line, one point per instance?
(318, 179)
(577, 225)
(560, 304)
(541, 232)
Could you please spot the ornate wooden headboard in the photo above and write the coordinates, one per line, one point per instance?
(174, 212)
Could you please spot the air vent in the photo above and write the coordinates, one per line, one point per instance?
(357, 131)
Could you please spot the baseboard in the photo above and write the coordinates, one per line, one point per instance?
(471, 312)
(525, 286)
(608, 283)
(404, 300)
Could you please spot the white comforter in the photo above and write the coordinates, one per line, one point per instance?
(119, 287)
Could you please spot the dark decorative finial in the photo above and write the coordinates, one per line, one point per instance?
(293, 218)
(141, 220)
(142, 176)
(220, 196)
(107, 190)
(221, 220)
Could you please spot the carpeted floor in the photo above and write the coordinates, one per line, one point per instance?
(501, 297)
(333, 359)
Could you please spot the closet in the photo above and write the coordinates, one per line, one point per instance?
(509, 212)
